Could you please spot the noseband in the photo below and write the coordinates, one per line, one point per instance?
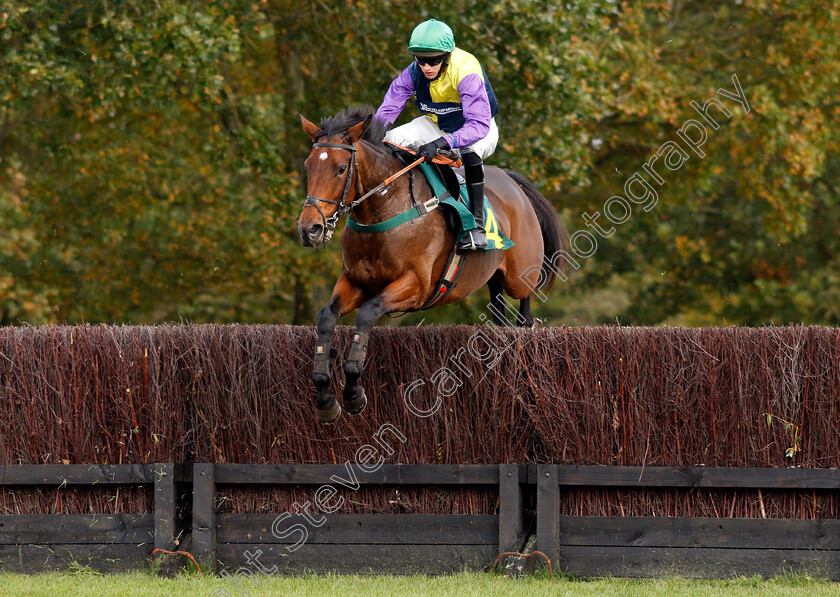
(343, 208)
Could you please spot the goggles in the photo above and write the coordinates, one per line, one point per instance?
(430, 60)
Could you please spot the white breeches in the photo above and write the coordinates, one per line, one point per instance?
(423, 130)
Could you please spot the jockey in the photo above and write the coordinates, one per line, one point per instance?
(454, 94)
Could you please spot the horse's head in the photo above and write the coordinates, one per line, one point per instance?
(332, 173)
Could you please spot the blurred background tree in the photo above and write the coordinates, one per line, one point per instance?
(151, 154)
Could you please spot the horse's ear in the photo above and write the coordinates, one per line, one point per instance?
(355, 132)
(312, 129)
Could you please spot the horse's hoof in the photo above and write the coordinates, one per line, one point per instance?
(357, 404)
(331, 414)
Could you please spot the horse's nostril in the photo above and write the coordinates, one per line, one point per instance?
(315, 231)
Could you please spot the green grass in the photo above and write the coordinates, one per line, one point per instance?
(87, 584)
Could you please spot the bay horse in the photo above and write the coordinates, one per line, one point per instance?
(398, 270)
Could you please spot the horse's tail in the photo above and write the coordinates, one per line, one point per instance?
(554, 234)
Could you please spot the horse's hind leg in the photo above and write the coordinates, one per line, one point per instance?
(527, 317)
(345, 298)
(496, 306)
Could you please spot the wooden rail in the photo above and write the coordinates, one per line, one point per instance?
(697, 547)
(585, 546)
(106, 542)
(352, 543)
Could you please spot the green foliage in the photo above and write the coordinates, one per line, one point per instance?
(741, 235)
(790, 429)
(150, 153)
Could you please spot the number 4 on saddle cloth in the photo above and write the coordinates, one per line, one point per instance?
(444, 182)
(463, 217)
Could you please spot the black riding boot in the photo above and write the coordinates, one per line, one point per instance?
(474, 173)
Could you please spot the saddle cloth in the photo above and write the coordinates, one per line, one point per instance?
(463, 220)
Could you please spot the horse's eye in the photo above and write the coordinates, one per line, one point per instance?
(342, 170)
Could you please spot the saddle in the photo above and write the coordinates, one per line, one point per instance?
(451, 180)
(450, 189)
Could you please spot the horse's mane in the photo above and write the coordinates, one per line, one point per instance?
(338, 124)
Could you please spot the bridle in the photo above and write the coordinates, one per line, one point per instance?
(353, 172)
(343, 208)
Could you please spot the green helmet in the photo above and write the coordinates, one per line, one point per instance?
(432, 36)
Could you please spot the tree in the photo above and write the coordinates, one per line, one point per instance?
(151, 155)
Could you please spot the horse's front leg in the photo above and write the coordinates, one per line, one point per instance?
(401, 295)
(346, 297)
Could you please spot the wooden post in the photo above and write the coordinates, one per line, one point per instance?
(510, 508)
(164, 506)
(548, 512)
(204, 513)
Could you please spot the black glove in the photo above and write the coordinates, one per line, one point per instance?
(430, 150)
